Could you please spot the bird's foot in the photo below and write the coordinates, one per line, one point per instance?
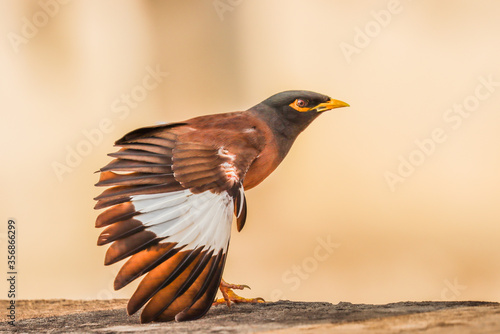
(229, 297)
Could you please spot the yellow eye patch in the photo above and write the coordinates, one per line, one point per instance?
(300, 105)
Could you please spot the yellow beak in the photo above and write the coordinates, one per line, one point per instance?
(332, 104)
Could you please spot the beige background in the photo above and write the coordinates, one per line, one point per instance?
(435, 237)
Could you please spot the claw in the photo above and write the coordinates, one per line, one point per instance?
(237, 286)
(229, 297)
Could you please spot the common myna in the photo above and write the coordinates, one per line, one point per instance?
(174, 189)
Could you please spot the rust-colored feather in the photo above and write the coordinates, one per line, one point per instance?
(116, 213)
(196, 281)
(157, 141)
(189, 153)
(169, 295)
(119, 230)
(161, 276)
(120, 194)
(206, 293)
(139, 155)
(143, 261)
(133, 179)
(132, 244)
(156, 149)
(136, 166)
(158, 131)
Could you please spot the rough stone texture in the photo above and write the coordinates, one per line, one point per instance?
(63, 316)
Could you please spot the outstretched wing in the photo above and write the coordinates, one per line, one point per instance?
(172, 196)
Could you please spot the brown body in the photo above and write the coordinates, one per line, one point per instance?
(242, 134)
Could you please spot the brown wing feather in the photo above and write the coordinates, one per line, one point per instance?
(206, 292)
(123, 248)
(115, 214)
(119, 230)
(139, 155)
(136, 166)
(164, 147)
(159, 277)
(142, 262)
(240, 209)
(134, 179)
(197, 155)
(198, 284)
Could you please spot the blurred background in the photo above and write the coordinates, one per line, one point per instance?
(393, 199)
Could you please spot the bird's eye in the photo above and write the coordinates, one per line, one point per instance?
(302, 103)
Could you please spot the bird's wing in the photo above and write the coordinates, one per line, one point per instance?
(170, 205)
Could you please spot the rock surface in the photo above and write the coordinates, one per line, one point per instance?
(65, 316)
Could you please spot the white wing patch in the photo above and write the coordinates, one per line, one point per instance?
(228, 167)
(230, 171)
(194, 220)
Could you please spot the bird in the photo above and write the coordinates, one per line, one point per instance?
(174, 190)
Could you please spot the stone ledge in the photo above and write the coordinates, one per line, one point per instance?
(63, 316)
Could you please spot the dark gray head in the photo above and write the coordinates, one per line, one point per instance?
(295, 108)
(289, 113)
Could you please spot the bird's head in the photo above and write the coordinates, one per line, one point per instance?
(297, 108)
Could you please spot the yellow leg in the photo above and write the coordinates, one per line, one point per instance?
(229, 297)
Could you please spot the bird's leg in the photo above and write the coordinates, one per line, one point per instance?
(229, 297)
